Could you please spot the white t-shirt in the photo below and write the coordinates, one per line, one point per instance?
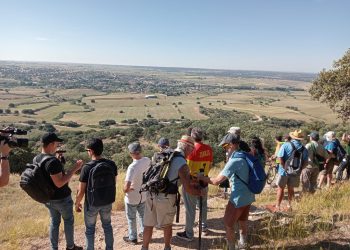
(134, 174)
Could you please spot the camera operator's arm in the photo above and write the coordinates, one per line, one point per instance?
(61, 179)
(4, 164)
(184, 175)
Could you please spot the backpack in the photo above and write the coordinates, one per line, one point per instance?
(294, 163)
(340, 152)
(35, 182)
(155, 180)
(101, 184)
(257, 175)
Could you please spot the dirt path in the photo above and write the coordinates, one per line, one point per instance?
(214, 240)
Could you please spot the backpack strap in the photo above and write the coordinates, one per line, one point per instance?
(45, 159)
(293, 146)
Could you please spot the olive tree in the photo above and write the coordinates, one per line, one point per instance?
(333, 87)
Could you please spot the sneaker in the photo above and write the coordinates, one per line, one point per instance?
(75, 248)
(241, 246)
(183, 236)
(140, 235)
(127, 240)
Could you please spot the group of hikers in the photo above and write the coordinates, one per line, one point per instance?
(155, 204)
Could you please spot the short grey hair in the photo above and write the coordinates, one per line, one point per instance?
(182, 146)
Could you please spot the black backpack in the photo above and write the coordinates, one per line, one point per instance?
(340, 152)
(101, 184)
(35, 182)
(294, 163)
(155, 180)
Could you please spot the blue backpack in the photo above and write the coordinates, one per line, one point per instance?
(257, 175)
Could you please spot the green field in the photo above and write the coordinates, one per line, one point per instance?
(122, 106)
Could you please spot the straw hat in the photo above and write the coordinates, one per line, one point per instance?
(297, 135)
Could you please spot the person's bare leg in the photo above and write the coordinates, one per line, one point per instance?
(290, 195)
(168, 232)
(329, 179)
(322, 177)
(229, 225)
(243, 231)
(280, 192)
(147, 236)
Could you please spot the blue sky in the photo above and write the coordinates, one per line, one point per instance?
(277, 35)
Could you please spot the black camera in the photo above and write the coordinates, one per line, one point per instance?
(7, 135)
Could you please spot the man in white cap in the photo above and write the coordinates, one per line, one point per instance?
(331, 146)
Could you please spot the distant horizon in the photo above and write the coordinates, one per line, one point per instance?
(153, 66)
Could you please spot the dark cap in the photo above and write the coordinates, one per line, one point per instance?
(50, 137)
(230, 138)
(197, 134)
(163, 142)
(134, 148)
(314, 136)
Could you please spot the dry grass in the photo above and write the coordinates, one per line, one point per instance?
(21, 217)
(312, 214)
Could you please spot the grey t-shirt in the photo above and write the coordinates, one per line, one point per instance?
(175, 166)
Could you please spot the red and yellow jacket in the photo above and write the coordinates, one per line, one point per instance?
(200, 158)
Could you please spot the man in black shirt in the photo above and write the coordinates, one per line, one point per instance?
(61, 204)
(98, 199)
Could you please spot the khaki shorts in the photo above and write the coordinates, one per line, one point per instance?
(289, 180)
(160, 210)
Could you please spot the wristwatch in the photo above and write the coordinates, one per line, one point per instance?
(4, 157)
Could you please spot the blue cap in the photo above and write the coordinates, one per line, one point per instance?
(314, 135)
(163, 142)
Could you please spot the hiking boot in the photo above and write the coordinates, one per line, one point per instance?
(75, 248)
(127, 240)
(183, 236)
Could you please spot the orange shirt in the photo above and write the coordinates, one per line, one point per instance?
(200, 158)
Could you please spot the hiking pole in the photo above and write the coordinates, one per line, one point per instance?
(201, 184)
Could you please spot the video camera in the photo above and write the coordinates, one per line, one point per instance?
(7, 135)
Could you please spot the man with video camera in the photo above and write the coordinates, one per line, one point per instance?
(7, 140)
(4, 164)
